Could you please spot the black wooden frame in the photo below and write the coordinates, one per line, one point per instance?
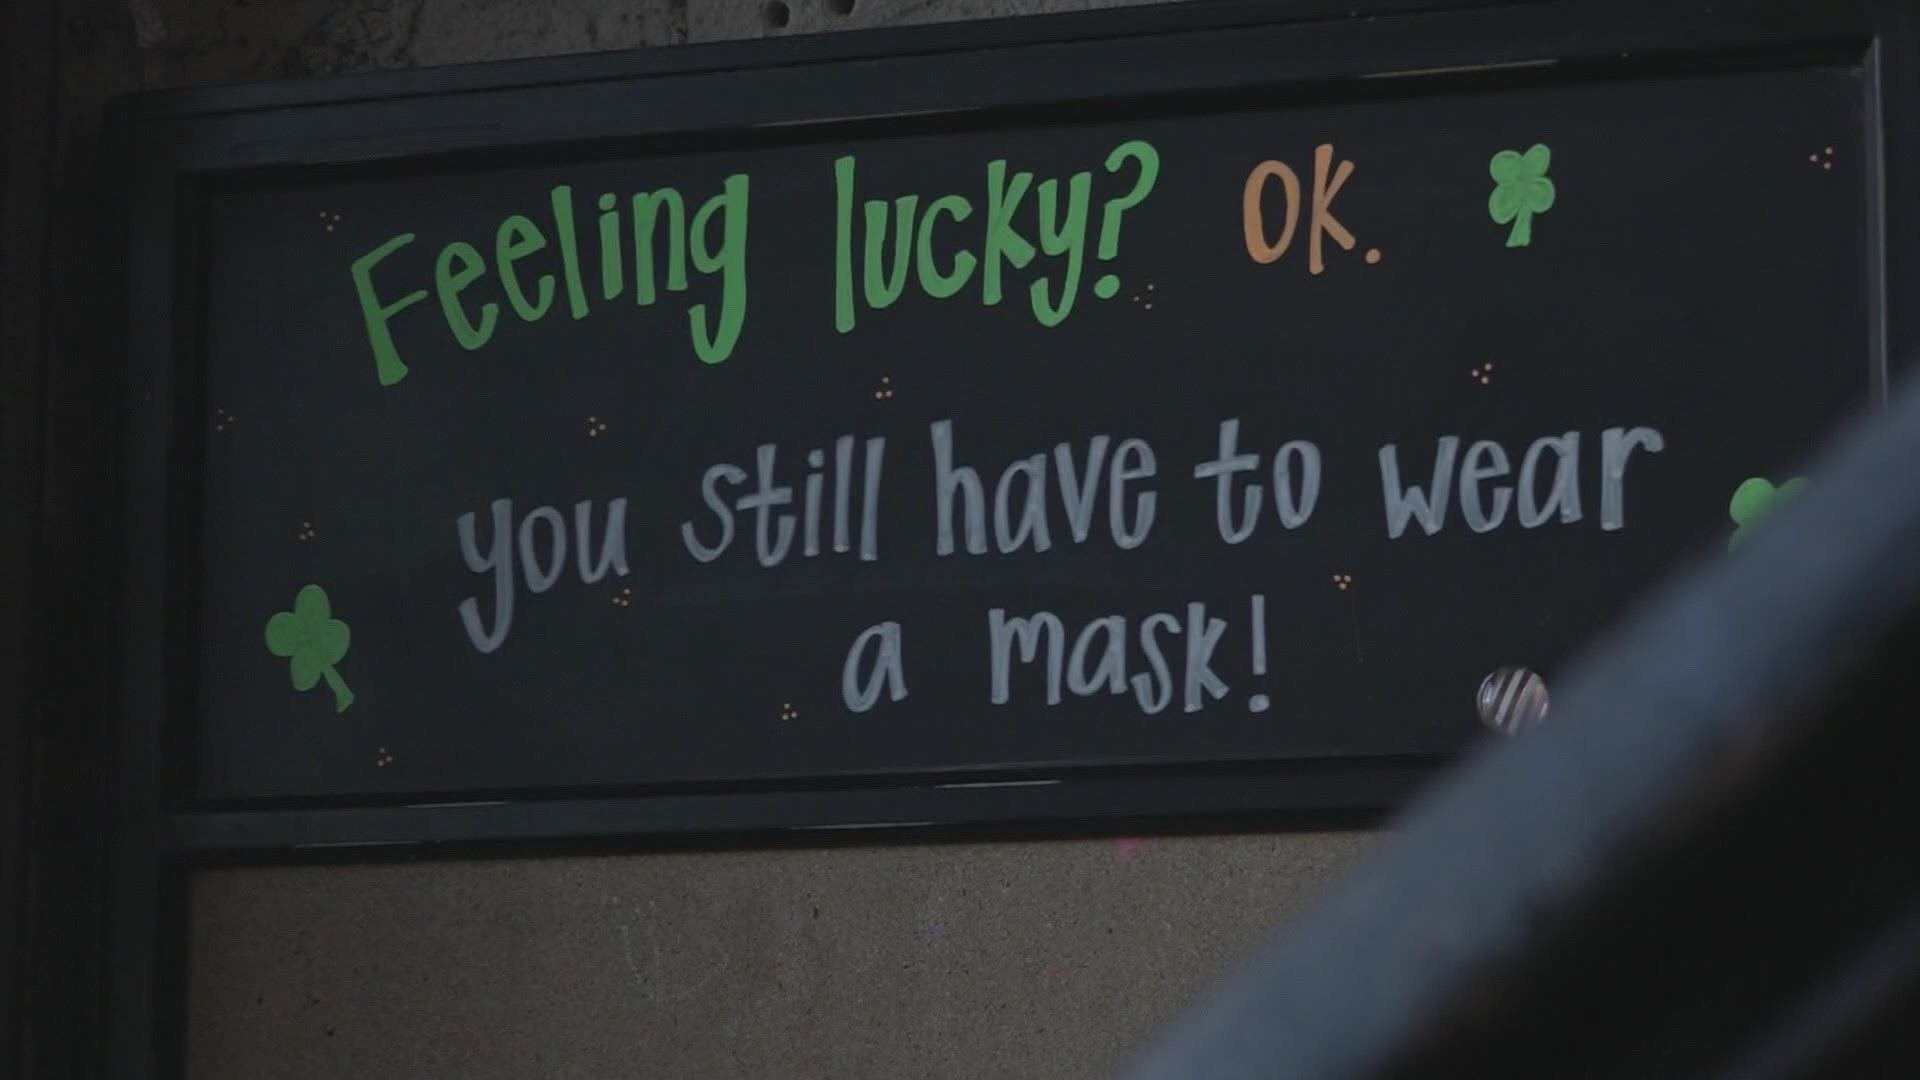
(169, 145)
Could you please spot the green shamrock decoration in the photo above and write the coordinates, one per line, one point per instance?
(1754, 500)
(1521, 190)
(314, 641)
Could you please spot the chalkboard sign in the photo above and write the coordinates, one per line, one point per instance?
(1157, 435)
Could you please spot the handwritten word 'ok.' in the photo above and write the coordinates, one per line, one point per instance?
(1327, 182)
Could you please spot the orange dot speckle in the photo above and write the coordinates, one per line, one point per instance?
(1373, 256)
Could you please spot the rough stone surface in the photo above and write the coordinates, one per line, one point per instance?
(1033, 960)
(201, 42)
(712, 21)
(197, 42)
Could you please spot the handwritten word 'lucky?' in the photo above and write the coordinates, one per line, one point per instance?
(1064, 218)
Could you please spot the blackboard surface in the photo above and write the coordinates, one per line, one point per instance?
(1687, 312)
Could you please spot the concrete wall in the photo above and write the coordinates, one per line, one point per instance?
(1042, 959)
(1046, 960)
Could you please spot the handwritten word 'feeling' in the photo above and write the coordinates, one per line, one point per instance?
(715, 237)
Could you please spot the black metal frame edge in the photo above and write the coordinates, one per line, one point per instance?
(168, 141)
(1358, 787)
(141, 886)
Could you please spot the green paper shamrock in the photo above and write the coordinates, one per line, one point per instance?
(314, 641)
(1754, 500)
(1521, 190)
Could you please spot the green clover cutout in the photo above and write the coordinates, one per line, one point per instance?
(313, 641)
(1521, 190)
(1756, 499)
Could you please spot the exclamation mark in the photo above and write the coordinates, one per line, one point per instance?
(1259, 703)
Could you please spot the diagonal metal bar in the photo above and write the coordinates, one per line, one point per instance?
(1874, 987)
(1768, 696)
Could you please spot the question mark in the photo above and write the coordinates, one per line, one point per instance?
(1149, 160)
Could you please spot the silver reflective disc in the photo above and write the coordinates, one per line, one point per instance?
(1511, 699)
